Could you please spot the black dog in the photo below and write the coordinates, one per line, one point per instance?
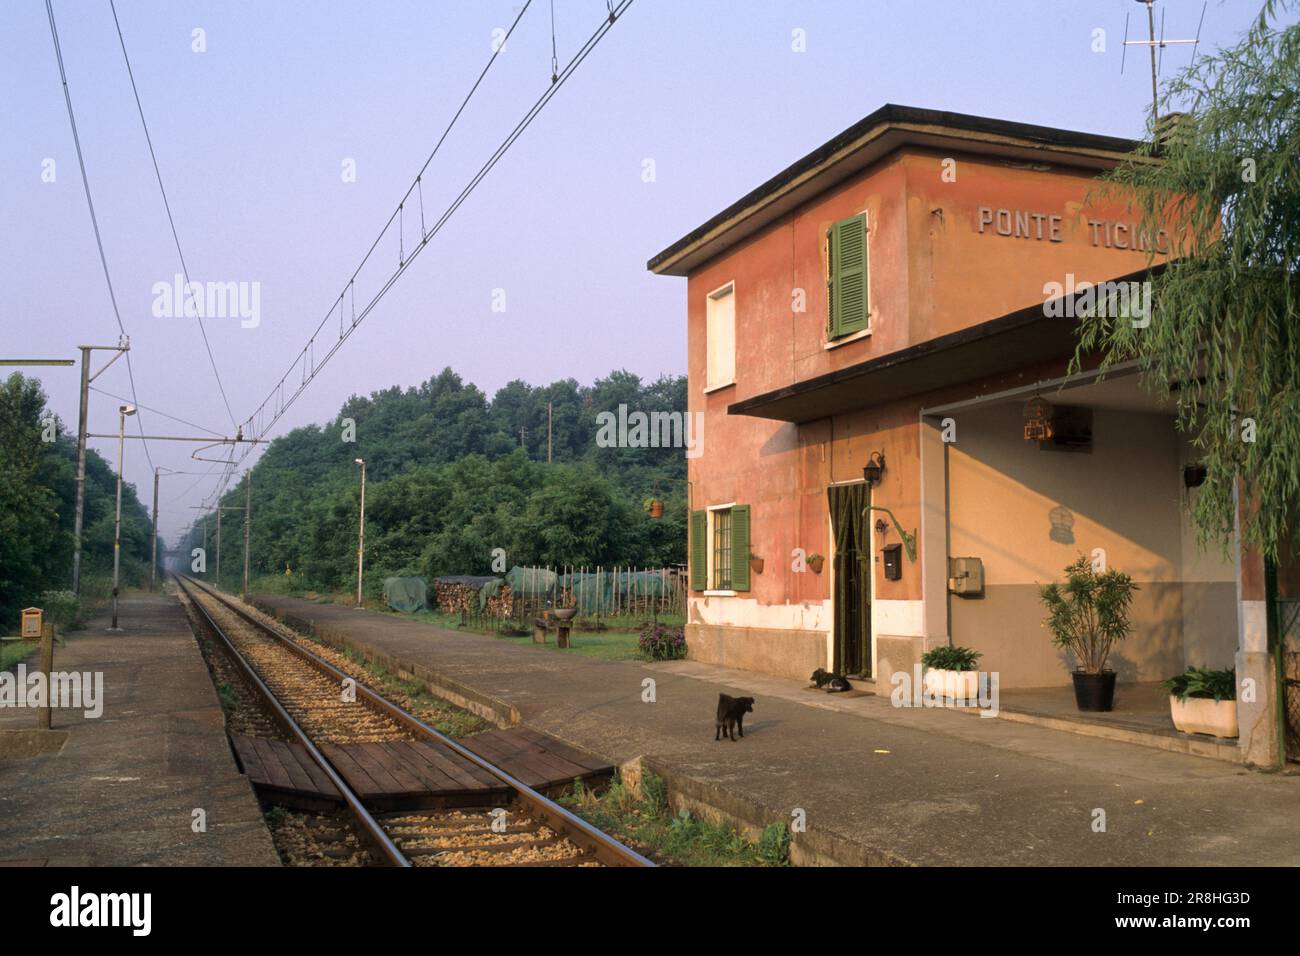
(837, 683)
(731, 716)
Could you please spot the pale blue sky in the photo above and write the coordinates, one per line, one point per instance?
(251, 136)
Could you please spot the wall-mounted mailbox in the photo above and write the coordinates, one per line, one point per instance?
(893, 561)
(966, 576)
(32, 621)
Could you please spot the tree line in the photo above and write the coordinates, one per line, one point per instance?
(453, 475)
(38, 483)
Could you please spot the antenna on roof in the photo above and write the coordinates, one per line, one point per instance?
(1157, 47)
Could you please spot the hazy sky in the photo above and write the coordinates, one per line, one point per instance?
(252, 136)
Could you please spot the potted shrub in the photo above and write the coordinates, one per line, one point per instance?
(1204, 701)
(950, 672)
(815, 562)
(1087, 615)
(755, 563)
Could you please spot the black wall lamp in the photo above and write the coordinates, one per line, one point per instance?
(874, 468)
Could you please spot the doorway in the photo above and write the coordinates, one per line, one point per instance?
(851, 597)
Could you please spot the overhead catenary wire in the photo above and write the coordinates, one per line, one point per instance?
(94, 219)
(167, 206)
(257, 425)
(158, 412)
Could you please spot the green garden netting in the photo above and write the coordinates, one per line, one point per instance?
(406, 594)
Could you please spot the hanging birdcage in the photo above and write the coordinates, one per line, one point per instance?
(1038, 419)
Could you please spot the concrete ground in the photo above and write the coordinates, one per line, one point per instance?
(121, 790)
(875, 783)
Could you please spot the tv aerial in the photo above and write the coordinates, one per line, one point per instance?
(1157, 47)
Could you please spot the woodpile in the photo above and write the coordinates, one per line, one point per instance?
(501, 604)
(458, 594)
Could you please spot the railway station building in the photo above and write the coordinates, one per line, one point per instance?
(895, 453)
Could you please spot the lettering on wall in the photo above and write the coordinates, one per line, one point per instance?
(1046, 227)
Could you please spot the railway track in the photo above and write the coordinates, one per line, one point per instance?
(300, 693)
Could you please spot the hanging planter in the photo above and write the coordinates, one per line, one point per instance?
(654, 507)
(755, 563)
(815, 562)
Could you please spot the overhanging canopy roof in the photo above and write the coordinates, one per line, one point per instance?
(990, 348)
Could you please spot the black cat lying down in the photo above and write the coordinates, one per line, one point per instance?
(837, 684)
(731, 716)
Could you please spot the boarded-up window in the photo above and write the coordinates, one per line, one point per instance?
(720, 347)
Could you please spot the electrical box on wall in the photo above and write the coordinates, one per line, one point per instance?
(893, 561)
(966, 576)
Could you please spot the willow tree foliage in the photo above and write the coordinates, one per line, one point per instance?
(1224, 335)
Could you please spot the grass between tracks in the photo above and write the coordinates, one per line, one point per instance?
(645, 821)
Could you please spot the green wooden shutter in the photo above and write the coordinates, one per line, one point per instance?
(848, 287)
(699, 551)
(740, 547)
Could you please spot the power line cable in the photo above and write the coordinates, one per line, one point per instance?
(167, 206)
(157, 412)
(306, 357)
(94, 220)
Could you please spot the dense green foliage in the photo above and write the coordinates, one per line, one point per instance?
(38, 481)
(1224, 332)
(452, 475)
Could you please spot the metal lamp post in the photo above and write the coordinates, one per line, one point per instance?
(361, 531)
(122, 412)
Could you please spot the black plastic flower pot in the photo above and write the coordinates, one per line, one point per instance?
(1094, 692)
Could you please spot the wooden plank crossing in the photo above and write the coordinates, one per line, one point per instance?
(284, 770)
(411, 774)
(540, 761)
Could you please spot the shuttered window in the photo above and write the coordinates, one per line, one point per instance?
(719, 547)
(699, 550)
(847, 285)
(739, 533)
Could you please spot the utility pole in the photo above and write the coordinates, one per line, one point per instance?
(548, 433)
(248, 510)
(219, 509)
(80, 509)
(361, 531)
(122, 413)
(153, 564)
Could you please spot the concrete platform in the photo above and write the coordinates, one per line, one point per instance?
(877, 784)
(121, 789)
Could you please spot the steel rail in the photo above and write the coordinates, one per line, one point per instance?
(602, 845)
(369, 825)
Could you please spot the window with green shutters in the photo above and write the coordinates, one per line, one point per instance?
(847, 284)
(719, 549)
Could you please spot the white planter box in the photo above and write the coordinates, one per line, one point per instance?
(954, 685)
(1204, 715)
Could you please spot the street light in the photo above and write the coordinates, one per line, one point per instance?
(122, 412)
(361, 531)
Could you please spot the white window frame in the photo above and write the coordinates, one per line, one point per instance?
(708, 532)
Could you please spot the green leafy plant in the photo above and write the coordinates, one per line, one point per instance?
(951, 658)
(1203, 683)
(774, 845)
(1089, 612)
